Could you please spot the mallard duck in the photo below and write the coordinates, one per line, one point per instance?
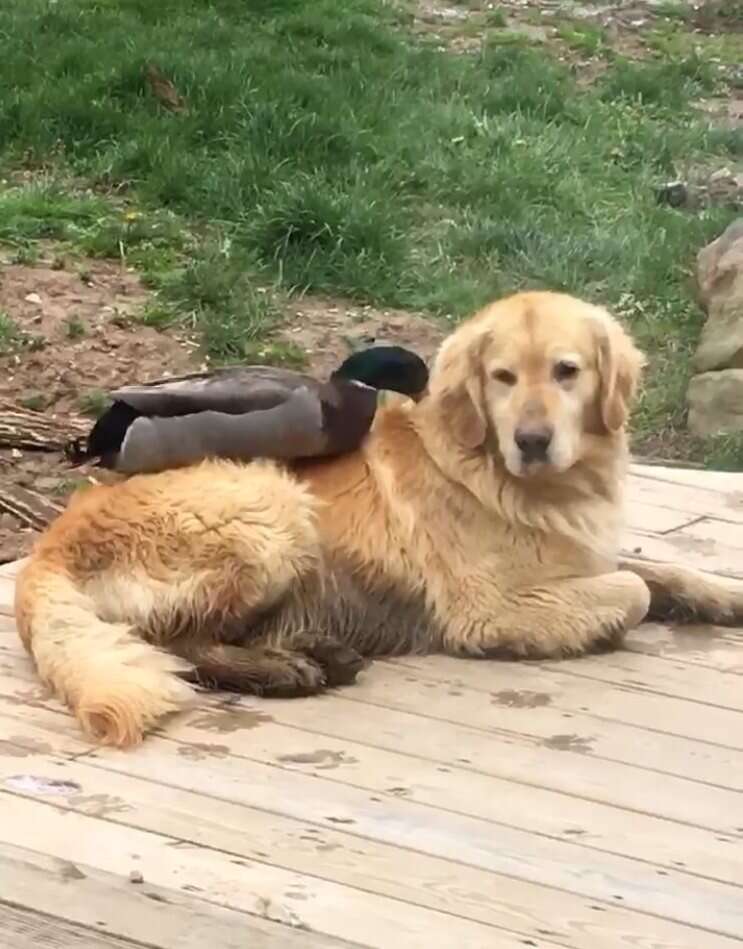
(247, 412)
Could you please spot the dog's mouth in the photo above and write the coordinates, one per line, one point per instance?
(532, 470)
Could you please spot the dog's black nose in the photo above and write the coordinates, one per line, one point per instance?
(533, 443)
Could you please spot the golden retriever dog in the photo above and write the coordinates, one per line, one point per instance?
(482, 521)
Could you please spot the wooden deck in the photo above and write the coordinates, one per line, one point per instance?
(593, 804)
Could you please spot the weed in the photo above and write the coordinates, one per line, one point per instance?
(583, 38)
(75, 328)
(674, 10)
(34, 402)
(94, 403)
(276, 354)
(9, 334)
(496, 17)
(14, 339)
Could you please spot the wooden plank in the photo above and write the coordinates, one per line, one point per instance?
(110, 905)
(707, 646)
(503, 681)
(682, 499)
(23, 741)
(535, 809)
(518, 710)
(703, 500)
(12, 568)
(719, 481)
(656, 518)
(707, 533)
(7, 593)
(27, 929)
(243, 832)
(248, 885)
(660, 676)
(672, 548)
(569, 763)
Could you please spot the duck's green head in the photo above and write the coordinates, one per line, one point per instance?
(387, 367)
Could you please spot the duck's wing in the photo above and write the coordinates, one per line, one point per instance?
(231, 391)
(292, 429)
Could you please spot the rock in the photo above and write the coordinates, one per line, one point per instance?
(32, 298)
(135, 876)
(725, 188)
(716, 402)
(17, 546)
(720, 290)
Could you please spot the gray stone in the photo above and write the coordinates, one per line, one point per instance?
(716, 402)
(720, 290)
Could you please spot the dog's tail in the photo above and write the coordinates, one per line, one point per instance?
(117, 684)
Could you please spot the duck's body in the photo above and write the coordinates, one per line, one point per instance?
(248, 412)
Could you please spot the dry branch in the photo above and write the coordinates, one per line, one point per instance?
(20, 428)
(28, 507)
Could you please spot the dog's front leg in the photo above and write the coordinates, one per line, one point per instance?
(681, 594)
(557, 618)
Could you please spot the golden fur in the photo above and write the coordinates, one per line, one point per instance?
(483, 520)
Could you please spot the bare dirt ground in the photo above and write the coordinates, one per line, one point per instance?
(80, 338)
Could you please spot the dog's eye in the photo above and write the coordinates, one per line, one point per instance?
(565, 370)
(504, 376)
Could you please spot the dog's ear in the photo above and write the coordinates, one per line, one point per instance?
(620, 365)
(458, 390)
(464, 416)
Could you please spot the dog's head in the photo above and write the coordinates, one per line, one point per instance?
(536, 377)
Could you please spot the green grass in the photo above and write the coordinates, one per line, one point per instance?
(9, 334)
(339, 154)
(34, 402)
(94, 402)
(13, 339)
(75, 328)
(583, 38)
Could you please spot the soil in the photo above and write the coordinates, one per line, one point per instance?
(79, 338)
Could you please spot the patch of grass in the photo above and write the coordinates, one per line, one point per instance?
(13, 339)
(67, 485)
(34, 401)
(75, 328)
(276, 353)
(46, 210)
(674, 10)
(94, 402)
(10, 334)
(26, 254)
(668, 84)
(339, 154)
(496, 17)
(717, 51)
(158, 315)
(584, 38)
(220, 293)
